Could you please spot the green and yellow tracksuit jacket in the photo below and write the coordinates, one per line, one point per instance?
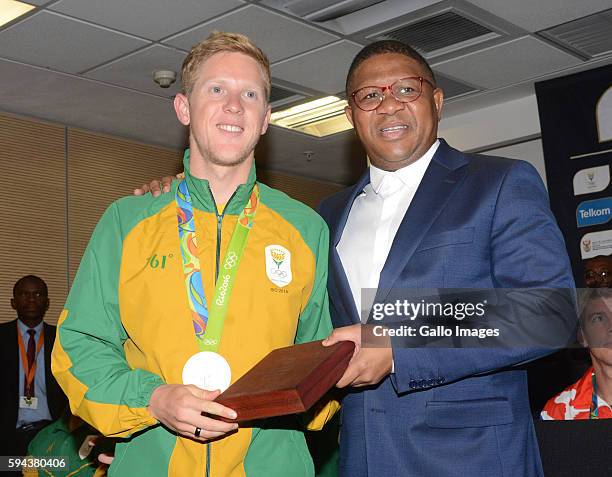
(126, 327)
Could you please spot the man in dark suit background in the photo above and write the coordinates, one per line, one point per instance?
(426, 216)
(27, 403)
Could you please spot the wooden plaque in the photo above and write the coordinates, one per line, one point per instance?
(287, 381)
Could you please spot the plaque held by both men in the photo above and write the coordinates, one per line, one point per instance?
(287, 381)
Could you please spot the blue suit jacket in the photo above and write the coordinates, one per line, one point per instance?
(475, 221)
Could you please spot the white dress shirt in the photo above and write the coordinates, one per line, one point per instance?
(373, 221)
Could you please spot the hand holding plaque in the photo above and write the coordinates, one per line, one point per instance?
(287, 381)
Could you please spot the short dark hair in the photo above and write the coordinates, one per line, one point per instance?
(26, 279)
(387, 46)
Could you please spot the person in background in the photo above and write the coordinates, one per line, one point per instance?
(591, 396)
(598, 272)
(30, 397)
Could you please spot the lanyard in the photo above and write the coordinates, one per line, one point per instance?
(208, 332)
(29, 372)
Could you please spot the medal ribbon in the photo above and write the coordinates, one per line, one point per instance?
(29, 372)
(208, 331)
(594, 411)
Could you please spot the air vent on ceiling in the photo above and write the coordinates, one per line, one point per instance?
(320, 10)
(453, 88)
(441, 33)
(277, 93)
(280, 96)
(590, 36)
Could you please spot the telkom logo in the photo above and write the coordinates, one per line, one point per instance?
(594, 212)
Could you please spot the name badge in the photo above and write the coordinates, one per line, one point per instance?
(28, 402)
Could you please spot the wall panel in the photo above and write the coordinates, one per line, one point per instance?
(59, 181)
(33, 211)
(102, 169)
(309, 191)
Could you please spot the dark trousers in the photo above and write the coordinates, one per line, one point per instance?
(17, 443)
(25, 433)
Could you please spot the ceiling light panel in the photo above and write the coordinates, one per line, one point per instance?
(321, 117)
(11, 9)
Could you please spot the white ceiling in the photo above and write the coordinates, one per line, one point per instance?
(89, 63)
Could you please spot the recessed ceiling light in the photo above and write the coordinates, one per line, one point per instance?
(321, 117)
(11, 9)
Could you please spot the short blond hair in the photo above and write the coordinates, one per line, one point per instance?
(223, 42)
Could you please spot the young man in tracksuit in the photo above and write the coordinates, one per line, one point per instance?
(223, 267)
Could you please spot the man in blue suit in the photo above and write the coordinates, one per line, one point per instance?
(428, 216)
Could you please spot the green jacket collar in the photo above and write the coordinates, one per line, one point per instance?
(201, 194)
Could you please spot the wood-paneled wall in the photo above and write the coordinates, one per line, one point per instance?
(100, 170)
(309, 191)
(57, 183)
(33, 210)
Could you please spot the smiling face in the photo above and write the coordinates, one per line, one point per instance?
(227, 109)
(395, 134)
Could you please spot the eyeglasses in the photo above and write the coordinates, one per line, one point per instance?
(405, 90)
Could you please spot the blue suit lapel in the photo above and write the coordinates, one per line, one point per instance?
(443, 175)
(342, 288)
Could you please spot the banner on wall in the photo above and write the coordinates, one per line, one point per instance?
(576, 121)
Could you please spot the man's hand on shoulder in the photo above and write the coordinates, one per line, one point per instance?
(183, 408)
(369, 365)
(157, 187)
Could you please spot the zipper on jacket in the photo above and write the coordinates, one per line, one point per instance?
(218, 248)
(217, 258)
(208, 452)
(219, 224)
